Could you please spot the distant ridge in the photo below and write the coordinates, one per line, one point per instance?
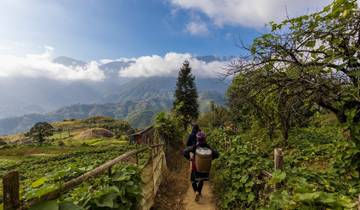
(136, 101)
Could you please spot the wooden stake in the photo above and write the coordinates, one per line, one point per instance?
(278, 163)
(109, 171)
(11, 190)
(278, 159)
(137, 158)
(359, 203)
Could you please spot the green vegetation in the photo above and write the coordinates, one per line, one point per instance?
(43, 173)
(318, 172)
(75, 147)
(300, 92)
(168, 127)
(40, 131)
(120, 191)
(310, 60)
(186, 104)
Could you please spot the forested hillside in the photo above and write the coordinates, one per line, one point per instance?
(137, 101)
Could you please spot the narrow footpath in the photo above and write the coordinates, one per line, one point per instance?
(206, 201)
(175, 192)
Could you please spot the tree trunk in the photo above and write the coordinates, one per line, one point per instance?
(285, 127)
(271, 131)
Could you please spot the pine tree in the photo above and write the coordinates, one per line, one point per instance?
(185, 104)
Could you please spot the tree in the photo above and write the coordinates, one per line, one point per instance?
(323, 51)
(167, 128)
(40, 130)
(253, 97)
(185, 103)
(217, 117)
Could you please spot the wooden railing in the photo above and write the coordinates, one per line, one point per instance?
(11, 186)
(11, 181)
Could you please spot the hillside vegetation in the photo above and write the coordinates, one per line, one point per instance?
(298, 90)
(318, 171)
(75, 147)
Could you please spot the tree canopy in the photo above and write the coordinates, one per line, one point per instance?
(311, 59)
(41, 130)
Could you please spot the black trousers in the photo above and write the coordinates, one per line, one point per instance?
(197, 180)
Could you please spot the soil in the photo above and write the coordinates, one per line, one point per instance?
(175, 192)
(206, 201)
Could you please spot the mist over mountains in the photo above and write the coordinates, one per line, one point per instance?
(26, 101)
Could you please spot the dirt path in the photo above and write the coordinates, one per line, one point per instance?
(175, 193)
(206, 201)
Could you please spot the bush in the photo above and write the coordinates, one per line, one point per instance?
(320, 171)
(168, 129)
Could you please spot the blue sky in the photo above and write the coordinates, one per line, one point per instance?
(97, 29)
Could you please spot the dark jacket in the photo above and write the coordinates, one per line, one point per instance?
(192, 139)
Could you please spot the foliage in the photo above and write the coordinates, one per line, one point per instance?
(41, 130)
(316, 57)
(318, 171)
(59, 168)
(168, 128)
(119, 191)
(186, 96)
(255, 98)
(217, 116)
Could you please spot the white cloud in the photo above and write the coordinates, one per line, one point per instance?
(169, 65)
(250, 13)
(105, 60)
(41, 65)
(197, 28)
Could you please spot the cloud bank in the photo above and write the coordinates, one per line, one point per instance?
(170, 64)
(42, 66)
(254, 13)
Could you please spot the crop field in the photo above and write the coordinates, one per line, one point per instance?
(41, 173)
(64, 156)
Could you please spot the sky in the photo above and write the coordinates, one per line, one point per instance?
(32, 32)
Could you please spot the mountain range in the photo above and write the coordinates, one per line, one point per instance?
(28, 101)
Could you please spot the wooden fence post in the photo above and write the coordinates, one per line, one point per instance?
(11, 190)
(152, 168)
(137, 159)
(278, 162)
(359, 203)
(278, 158)
(109, 171)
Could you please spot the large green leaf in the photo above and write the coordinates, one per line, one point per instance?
(39, 182)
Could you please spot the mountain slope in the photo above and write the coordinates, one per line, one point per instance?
(137, 101)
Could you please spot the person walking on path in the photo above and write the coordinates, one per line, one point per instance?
(192, 137)
(197, 178)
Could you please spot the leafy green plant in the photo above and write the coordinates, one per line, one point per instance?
(318, 171)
